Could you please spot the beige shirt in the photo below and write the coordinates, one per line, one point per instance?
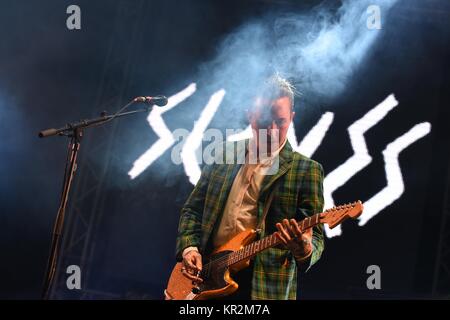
(240, 211)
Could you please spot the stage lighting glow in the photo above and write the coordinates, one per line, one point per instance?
(309, 144)
(166, 139)
(194, 140)
(395, 186)
(314, 137)
(360, 159)
(245, 134)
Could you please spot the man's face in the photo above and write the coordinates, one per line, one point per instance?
(275, 116)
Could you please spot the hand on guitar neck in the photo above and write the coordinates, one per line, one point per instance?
(298, 242)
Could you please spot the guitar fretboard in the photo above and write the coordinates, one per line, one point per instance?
(267, 242)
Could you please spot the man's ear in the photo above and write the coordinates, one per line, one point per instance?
(292, 115)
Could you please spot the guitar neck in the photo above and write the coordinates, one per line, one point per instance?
(254, 248)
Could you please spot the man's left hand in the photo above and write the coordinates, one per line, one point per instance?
(300, 243)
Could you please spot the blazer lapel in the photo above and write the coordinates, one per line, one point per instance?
(227, 174)
(284, 164)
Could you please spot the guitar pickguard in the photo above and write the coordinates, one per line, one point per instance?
(217, 277)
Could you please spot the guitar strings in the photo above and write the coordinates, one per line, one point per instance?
(223, 260)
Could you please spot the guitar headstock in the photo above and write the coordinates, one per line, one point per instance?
(336, 215)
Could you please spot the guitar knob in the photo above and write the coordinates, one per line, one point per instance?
(196, 290)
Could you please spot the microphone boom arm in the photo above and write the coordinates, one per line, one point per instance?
(70, 127)
(75, 132)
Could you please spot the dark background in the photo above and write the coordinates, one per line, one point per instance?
(121, 231)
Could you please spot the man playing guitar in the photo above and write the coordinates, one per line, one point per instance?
(231, 198)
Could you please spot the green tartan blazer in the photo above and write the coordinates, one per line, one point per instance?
(298, 192)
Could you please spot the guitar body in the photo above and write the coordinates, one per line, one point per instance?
(216, 273)
(218, 283)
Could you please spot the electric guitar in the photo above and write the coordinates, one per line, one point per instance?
(235, 255)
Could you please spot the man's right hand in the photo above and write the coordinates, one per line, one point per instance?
(192, 265)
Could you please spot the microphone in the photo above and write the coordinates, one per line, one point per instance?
(160, 101)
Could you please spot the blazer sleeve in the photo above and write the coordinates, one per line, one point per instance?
(311, 202)
(190, 223)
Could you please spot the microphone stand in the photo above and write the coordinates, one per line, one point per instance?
(75, 132)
